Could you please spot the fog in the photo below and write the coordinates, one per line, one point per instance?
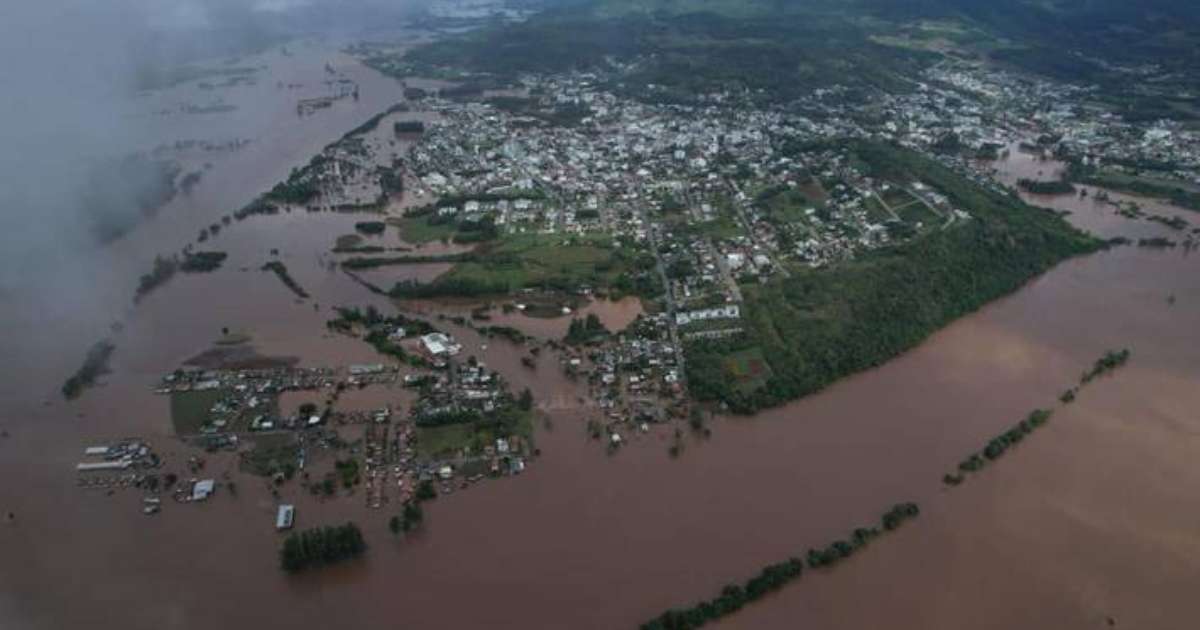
(71, 72)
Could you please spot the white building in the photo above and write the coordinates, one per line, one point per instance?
(729, 311)
(439, 344)
(202, 489)
(285, 517)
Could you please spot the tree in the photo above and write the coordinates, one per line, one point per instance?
(321, 546)
(413, 516)
(426, 491)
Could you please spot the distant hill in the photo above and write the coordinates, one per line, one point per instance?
(784, 47)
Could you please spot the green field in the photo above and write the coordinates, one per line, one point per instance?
(748, 368)
(524, 260)
(919, 212)
(791, 207)
(896, 197)
(722, 227)
(271, 453)
(189, 410)
(875, 211)
(448, 440)
(418, 230)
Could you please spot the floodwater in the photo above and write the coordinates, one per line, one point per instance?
(1091, 518)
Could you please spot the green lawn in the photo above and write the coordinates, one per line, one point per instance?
(724, 226)
(271, 453)
(896, 197)
(528, 259)
(875, 211)
(447, 441)
(915, 212)
(792, 207)
(748, 368)
(189, 410)
(418, 230)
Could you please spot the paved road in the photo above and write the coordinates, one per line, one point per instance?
(671, 307)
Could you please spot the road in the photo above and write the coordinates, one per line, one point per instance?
(669, 296)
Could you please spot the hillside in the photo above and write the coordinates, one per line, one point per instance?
(787, 47)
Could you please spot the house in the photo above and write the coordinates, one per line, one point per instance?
(285, 517)
(202, 489)
(729, 311)
(362, 370)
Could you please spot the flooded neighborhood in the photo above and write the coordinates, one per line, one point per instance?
(453, 354)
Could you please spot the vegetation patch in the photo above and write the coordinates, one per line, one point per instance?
(997, 446)
(587, 330)
(1174, 191)
(163, 270)
(380, 330)
(1037, 187)
(190, 411)
(528, 261)
(272, 454)
(818, 325)
(95, 364)
(1111, 360)
(438, 442)
(504, 332)
(748, 368)
(371, 228)
(418, 230)
(281, 271)
(202, 262)
(776, 576)
(321, 546)
(1038, 418)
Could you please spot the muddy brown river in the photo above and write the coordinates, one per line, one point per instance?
(1091, 521)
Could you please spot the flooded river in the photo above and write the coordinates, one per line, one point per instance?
(1092, 518)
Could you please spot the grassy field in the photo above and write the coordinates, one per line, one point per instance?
(530, 259)
(875, 211)
(792, 206)
(748, 368)
(724, 226)
(447, 441)
(272, 453)
(918, 212)
(189, 410)
(418, 231)
(896, 197)
(813, 192)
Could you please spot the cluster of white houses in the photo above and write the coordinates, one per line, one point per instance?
(729, 311)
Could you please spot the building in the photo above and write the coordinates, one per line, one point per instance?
(285, 517)
(729, 311)
(439, 345)
(202, 489)
(363, 370)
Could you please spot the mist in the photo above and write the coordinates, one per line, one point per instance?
(71, 75)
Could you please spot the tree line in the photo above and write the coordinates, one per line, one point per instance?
(321, 546)
(775, 576)
(999, 445)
